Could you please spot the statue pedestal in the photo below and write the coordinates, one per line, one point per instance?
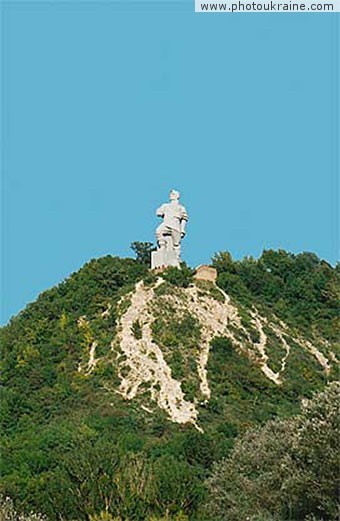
(163, 259)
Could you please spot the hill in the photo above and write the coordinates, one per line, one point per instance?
(121, 388)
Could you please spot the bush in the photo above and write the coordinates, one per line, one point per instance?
(287, 469)
(179, 277)
(143, 252)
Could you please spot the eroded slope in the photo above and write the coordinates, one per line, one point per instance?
(163, 340)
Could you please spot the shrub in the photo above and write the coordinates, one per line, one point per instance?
(179, 277)
(287, 469)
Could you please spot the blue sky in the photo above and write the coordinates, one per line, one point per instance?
(109, 105)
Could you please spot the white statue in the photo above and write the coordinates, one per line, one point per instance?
(170, 232)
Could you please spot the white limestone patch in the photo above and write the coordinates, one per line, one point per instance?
(87, 368)
(91, 364)
(145, 363)
(106, 312)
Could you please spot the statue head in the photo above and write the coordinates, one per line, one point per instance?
(174, 195)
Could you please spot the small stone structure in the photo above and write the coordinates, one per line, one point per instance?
(205, 272)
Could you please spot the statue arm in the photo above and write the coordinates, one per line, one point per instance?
(160, 211)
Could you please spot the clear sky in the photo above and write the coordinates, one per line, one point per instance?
(108, 105)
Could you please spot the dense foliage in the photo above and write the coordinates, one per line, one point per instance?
(143, 251)
(179, 277)
(301, 289)
(73, 449)
(288, 469)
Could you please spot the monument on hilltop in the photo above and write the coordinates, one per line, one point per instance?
(169, 233)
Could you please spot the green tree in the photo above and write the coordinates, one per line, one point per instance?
(143, 251)
(287, 469)
(181, 277)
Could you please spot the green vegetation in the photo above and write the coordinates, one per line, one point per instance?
(242, 395)
(302, 290)
(179, 277)
(137, 330)
(211, 289)
(143, 252)
(74, 450)
(179, 338)
(274, 349)
(288, 469)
